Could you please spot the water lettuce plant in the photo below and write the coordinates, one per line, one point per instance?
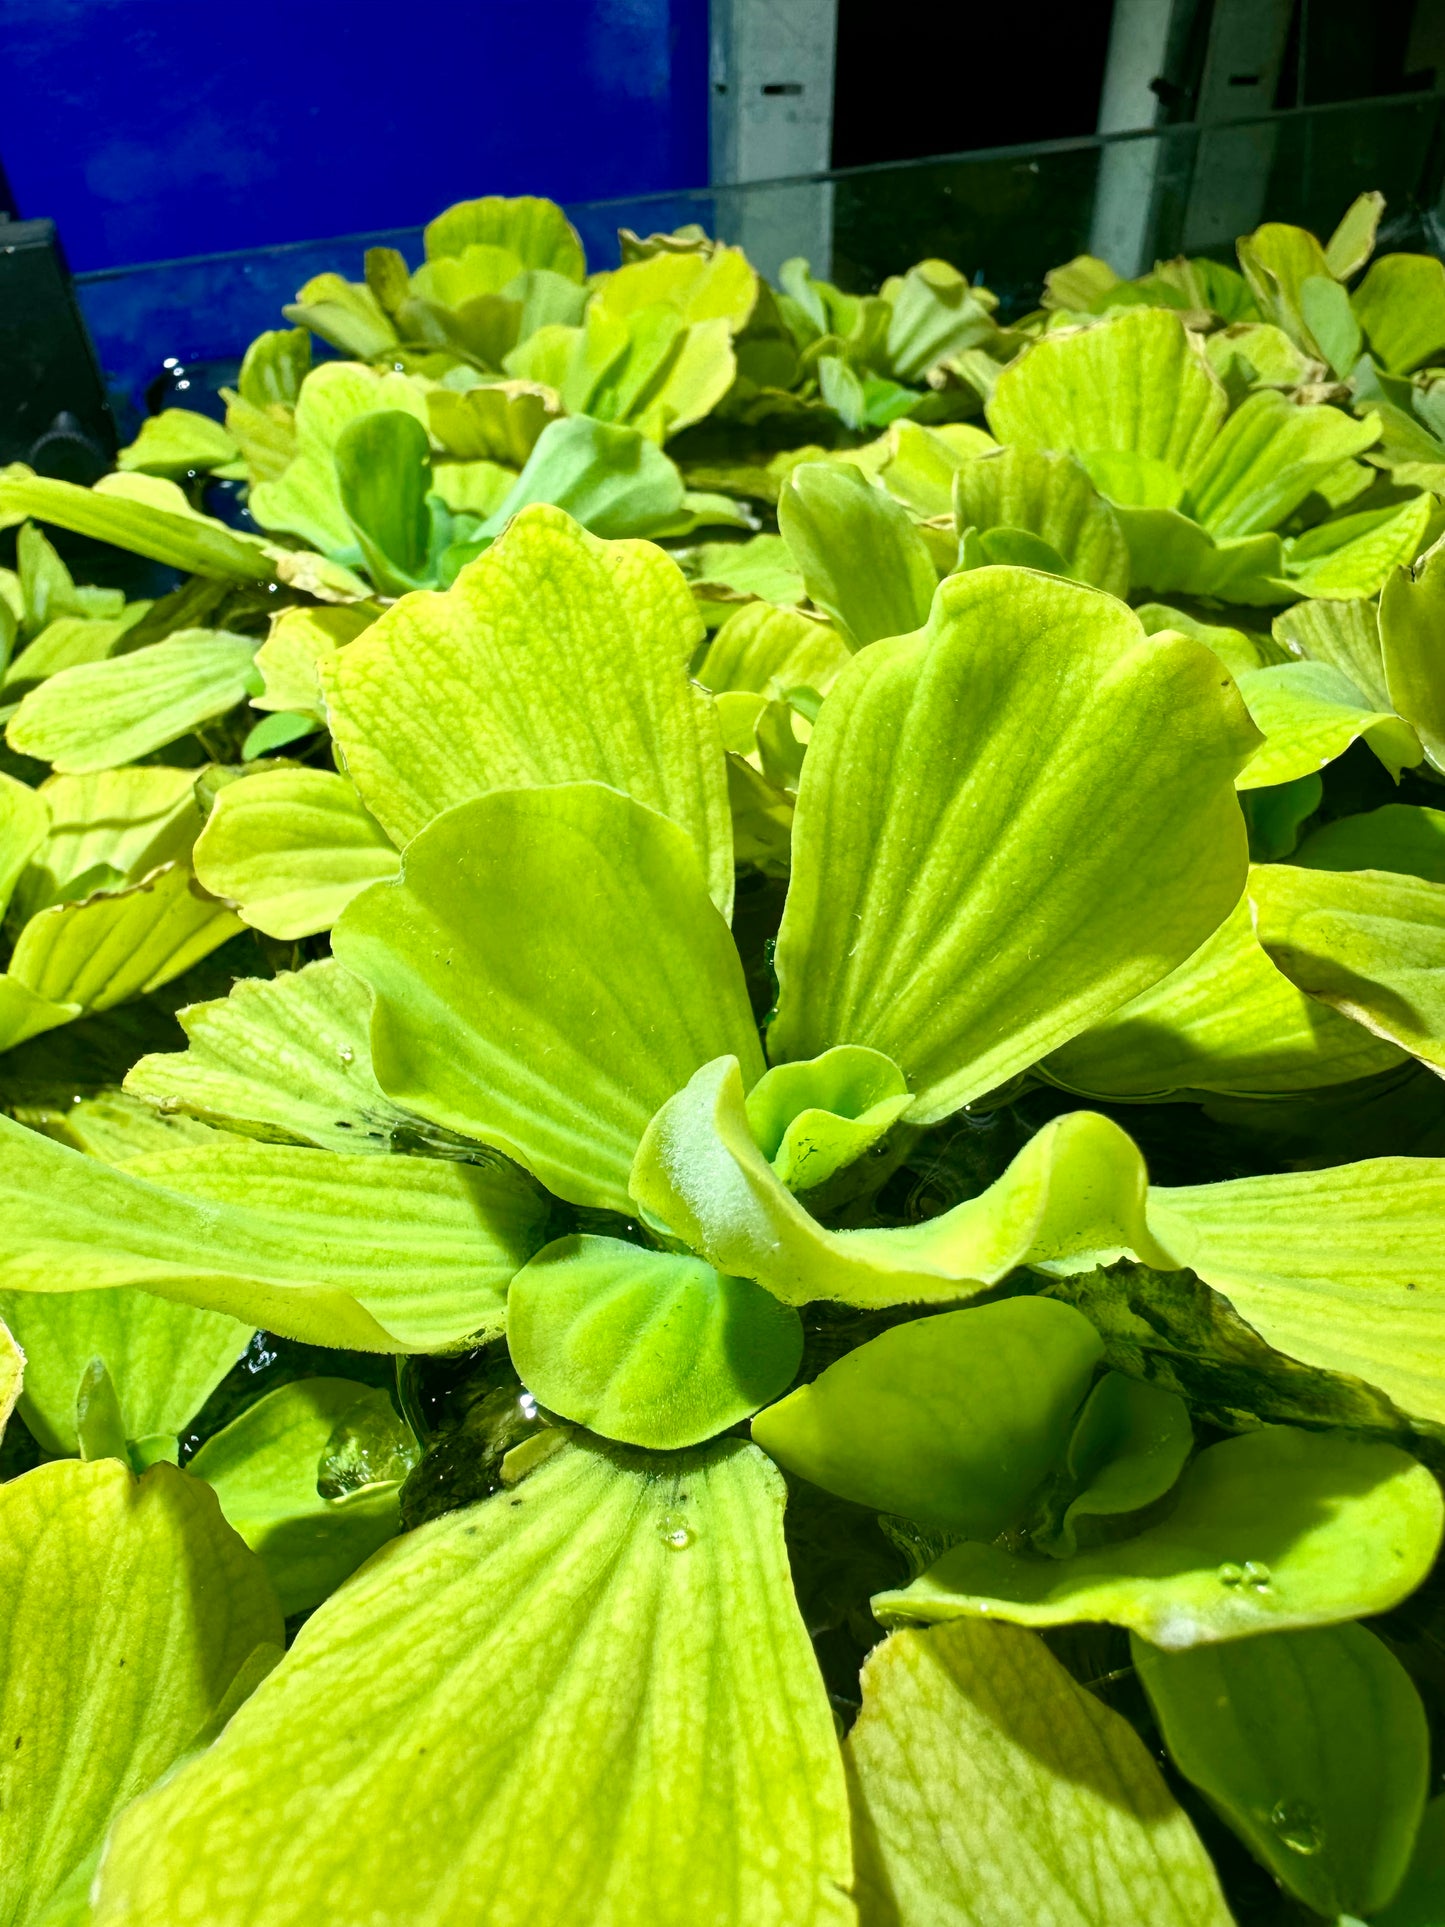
(723, 1154)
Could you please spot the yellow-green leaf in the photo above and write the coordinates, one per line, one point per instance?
(989, 1787)
(130, 1615)
(623, 1632)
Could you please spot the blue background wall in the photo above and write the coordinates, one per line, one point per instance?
(151, 130)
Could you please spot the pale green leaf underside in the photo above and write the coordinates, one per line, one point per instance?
(119, 824)
(101, 714)
(126, 1612)
(286, 1058)
(603, 901)
(653, 1348)
(175, 536)
(556, 658)
(1274, 1529)
(964, 905)
(861, 559)
(268, 1233)
(1366, 943)
(1225, 1020)
(990, 1787)
(164, 1359)
(24, 823)
(1346, 635)
(1313, 1745)
(607, 1634)
(290, 848)
(1341, 1268)
(1074, 1196)
(264, 1467)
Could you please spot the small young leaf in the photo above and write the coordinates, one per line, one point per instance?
(648, 1347)
(953, 1420)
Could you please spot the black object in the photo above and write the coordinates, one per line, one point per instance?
(53, 408)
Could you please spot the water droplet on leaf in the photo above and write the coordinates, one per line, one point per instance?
(1257, 1576)
(676, 1532)
(346, 1053)
(1298, 1825)
(1230, 1575)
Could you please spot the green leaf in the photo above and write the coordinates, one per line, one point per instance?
(1050, 496)
(1345, 635)
(179, 442)
(67, 641)
(346, 314)
(1354, 555)
(864, 563)
(771, 650)
(285, 1059)
(1225, 1020)
(1401, 307)
(811, 1120)
(23, 1015)
(99, 1422)
(101, 714)
(1277, 260)
(1420, 1901)
(649, 1347)
(602, 900)
(1309, 713)
(1267, 458)
(290, 848)
(608, 477)
(108, 829)
(1311, 1745)
(266, 1467)
(1327, 313)
(1339, 1268)
(623, 1632)
(131, 520)
(931, 916)
(109, 1124)
(988, 1786)
(555, 659)
(922, 462)
(1412, 609)
(1275, 1529)
(164, 1359)
(761, 566)
(24, 826)
(1173, 556)
(276, 731)
(1353, 241)
(1133, 385)
(953, 1420)
(1129, 1446)
(288, 658)
(268, 1233)
(103, 949)
(536, 231)
(1399, 838)
(12, 1376)
(130, 1612)
(275, 365)
(1368, 944)
(383, 473)
(1074, 1196)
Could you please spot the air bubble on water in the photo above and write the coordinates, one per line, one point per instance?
(1230, 1574)
(1298, 1826)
